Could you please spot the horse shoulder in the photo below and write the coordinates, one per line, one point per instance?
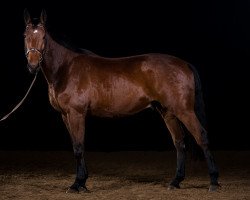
(64, 101)
(75, 93)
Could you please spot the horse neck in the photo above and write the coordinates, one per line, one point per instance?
(55, 57)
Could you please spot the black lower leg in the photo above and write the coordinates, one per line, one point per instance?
(212, 168)
(81, 170)
(180, 171)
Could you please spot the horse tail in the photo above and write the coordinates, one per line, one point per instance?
(199, 108)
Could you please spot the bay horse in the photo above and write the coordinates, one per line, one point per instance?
(85, 83)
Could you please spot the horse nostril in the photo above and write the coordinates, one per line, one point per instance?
(32, 68)
(32, 64)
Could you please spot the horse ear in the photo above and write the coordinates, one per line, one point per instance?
(26, 16)
(43, 17)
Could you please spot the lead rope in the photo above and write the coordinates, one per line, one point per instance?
(21, 102)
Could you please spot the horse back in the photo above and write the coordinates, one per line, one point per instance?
(121, 86)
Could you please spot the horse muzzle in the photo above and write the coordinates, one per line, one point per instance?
(33, 68)
(34, 57)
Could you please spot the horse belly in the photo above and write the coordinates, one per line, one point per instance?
(122, 99)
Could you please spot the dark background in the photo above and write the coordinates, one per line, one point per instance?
(212, 35)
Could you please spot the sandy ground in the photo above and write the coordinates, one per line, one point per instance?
(120, 175)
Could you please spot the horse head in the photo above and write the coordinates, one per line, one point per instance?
(34, 40)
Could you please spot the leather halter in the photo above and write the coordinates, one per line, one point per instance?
(35, 50)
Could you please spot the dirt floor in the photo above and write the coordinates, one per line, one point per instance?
(120, 175)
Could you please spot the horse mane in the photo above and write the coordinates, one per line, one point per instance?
(86, 51)
(66, 42)
(63, 39)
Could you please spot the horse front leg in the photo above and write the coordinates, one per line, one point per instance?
(81, 170)
(75, 122)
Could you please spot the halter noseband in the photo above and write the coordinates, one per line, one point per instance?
(35, 50)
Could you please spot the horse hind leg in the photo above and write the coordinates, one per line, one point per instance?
(190, 120)
(177, 135)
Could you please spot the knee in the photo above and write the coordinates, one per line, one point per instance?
(180, 145)
(78, 150)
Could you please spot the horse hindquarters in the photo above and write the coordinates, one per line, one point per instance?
(192, 115)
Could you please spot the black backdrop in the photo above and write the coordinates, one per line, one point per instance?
(213, 35)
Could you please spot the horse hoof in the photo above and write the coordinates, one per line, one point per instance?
(72, 190)
(84, 189)
(172, 187)
(214, 188)
(78, 190)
